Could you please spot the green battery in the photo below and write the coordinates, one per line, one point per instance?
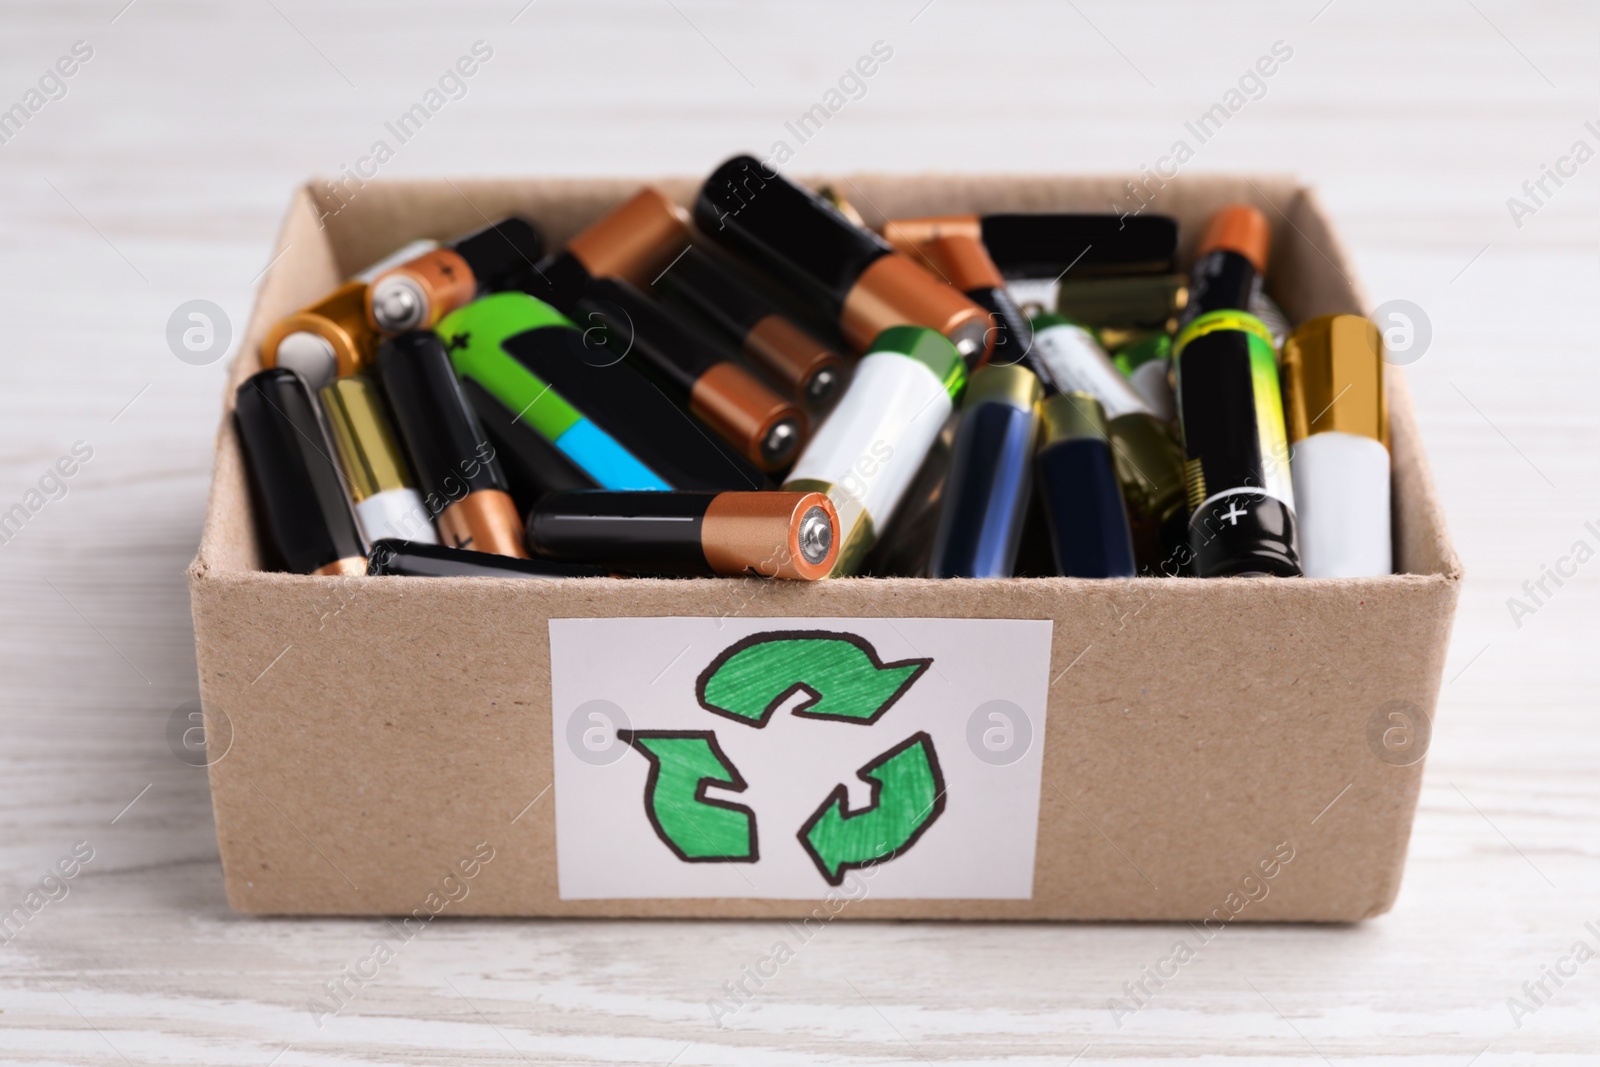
(1230, 406)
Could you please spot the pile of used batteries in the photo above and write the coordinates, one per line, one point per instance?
(777, 390)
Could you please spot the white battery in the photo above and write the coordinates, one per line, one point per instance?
(1341, 492)
(1076, 363)
(868, 449)
(1152, 384)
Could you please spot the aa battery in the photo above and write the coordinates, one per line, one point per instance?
(476, 337)
(1079, 491)
(1231, 260)
(635, 241)
(305, 510)
(455, 465)
(1242, 519)
(503, 255)
(632, 410)
(418, 293)
(1148, 462)
(758, 535)
(332, 337)
(410, 559)
(960, 259)
(811, 371)
(1048, 245)
(866, 453)
(905, 547)
(846, 272)
(1338, 426)
(1069, 358)
(532, 465)
(991, 475)
(381, 486)
(605, 415)
(695, 370)
(1138, 302)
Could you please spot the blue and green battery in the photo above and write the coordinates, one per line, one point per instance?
(476, 336)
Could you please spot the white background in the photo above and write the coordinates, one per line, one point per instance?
(162, 177)
(979, 847)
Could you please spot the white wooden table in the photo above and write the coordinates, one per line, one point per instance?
(159, 177)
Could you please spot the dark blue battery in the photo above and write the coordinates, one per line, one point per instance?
(991, 475)
(1079, 491)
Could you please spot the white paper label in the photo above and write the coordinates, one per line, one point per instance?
(783, 758)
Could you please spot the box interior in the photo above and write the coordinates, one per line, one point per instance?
(331, 233)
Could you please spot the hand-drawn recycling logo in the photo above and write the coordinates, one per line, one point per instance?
(845, 682)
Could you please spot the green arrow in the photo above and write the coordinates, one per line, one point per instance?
(695, 827)
(842, 672)
(907, 796)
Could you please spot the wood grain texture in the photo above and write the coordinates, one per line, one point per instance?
(161, 175)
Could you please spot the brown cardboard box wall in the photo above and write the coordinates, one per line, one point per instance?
(383, 729)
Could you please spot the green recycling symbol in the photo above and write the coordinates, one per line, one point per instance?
(843, 680)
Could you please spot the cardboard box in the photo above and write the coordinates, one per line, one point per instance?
(1238, 749)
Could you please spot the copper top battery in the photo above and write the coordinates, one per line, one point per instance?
(1050, 244)
(418, 293)
(455, 464)
(332, 337)
(696, 371)
(810, 369)
(758, 534)
(634, 241)
(960, 258)
(843, 270)
(1230, 262)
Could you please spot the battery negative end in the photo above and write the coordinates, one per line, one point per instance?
(822, 387)
(310, 356)
(780, 442)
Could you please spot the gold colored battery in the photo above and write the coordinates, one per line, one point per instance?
(328, 339)
(381, 487)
